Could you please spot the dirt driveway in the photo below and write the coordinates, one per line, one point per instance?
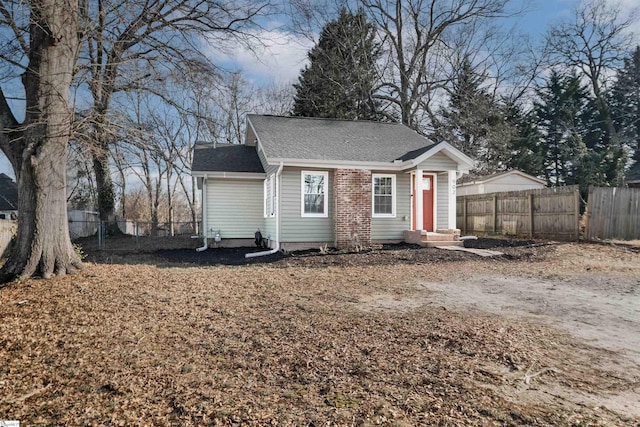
(594, 298)
(604, 312)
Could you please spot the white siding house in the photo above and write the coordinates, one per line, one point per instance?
(305, 182)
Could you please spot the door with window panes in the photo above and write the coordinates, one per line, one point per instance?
(427, 202)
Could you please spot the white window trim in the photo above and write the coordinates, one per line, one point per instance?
(393, 195)
(264, 197)
(325, 189)
(269, 192)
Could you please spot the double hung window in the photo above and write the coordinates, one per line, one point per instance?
(314, 194)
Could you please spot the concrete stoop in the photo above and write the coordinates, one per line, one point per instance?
(430, 239)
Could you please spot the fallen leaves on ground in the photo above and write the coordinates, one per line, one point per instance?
(286, 343)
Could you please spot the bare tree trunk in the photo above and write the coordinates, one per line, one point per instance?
(154, 211)
(106, 194)
(38, 147)
(123, 178)
(170, 201)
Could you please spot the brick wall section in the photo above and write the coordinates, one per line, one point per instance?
(352, 207)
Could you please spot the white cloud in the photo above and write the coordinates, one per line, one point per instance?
(279, 58)
(629, 9)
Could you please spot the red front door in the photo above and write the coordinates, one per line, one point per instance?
(427, 202)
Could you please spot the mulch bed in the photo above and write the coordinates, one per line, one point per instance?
(166, 250)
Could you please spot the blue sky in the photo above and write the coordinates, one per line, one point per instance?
(284, 55)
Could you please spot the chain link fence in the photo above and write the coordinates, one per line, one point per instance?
(91, 233)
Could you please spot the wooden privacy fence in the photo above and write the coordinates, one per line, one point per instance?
(613, 213)
(549, 213)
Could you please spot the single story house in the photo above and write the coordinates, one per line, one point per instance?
(8, 197)
(513, 180)
(307, 182)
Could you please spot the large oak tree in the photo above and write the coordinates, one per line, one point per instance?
(45, 33)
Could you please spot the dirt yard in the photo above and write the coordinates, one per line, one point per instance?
(545, 335)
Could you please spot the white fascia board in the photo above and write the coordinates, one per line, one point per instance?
(464, 162)
(228, 175)
(343, 164)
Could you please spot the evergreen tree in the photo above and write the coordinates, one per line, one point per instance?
(474, 123)
(625, 104)
(526, 151)
(340, 78)
(562, 103)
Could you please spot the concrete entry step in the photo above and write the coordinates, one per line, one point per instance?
(430, 236)
(480, 252)
(444, 245)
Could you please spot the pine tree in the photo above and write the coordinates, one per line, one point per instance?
(625, 104)
(340, 78)
(526, 152)
(560, 114)
(474, 123)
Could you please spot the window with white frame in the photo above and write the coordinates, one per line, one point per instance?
(384, 196)
(314, 194)
(269, 197)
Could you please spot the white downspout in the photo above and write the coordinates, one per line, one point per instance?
(205, 244)
(276, 248)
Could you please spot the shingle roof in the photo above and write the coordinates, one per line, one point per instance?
(226, 158)
(475, 179)
(342, 140)
(8, 194)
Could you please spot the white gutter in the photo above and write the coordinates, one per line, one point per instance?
(205, 244)
(277, 239)
(234, 175)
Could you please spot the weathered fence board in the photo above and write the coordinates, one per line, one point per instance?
(551, 213)
(613, 213)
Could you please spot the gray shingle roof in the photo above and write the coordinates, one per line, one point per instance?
(473, 178)
(342, 140)
(226, 158)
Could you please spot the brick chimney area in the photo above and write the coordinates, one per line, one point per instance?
(352, 208)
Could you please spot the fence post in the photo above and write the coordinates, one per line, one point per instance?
(576, 198)
(464, 215)
(531, 215)
(587, 215)
(495, 215)
(100, 234)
